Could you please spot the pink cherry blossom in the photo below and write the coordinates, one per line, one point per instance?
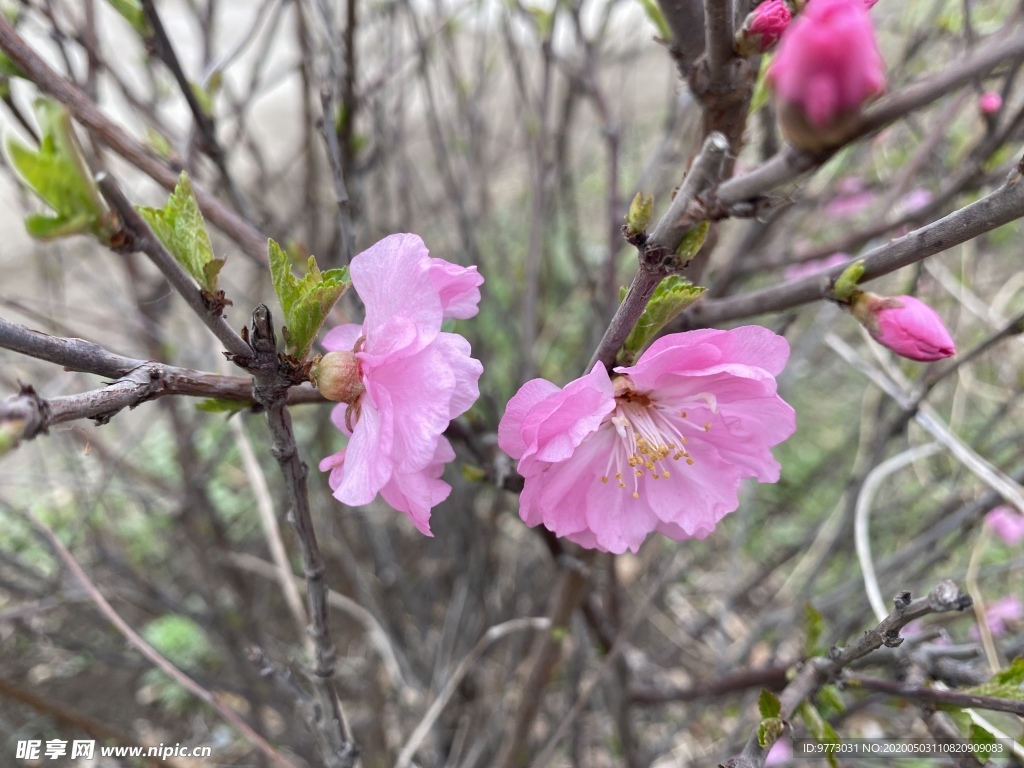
(1001, 613)
(826, 67)
(907, 326)
(661, 447)
(990, 102)
(417, 378)
(1007, 524)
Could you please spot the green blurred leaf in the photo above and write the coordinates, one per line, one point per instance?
(204, 97)
(830, 700)
(57, 172)
(180, 639)
(306, 301)
(760, 97)
(672, 296)
(819, 729)
(132, 11)
(181, 228)
(814, 624)
(692, 241)
(216, 405)
(1005, 684)
(654, 14)
(8, 68)
(768, 704)
(982, 741)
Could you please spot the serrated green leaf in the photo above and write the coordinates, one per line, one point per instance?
(1005, 684)
(58, 174)
(769, 730)
(132, 11)
(216, 405)
(654, 14)
(181, 228)
(760, 97)
(692, 241)
(672, 296)
(768, 704)
(814, 624)
(306, 301)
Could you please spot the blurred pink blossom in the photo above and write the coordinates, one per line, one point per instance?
(416, 378)
(990, 102)
(780, 753)
(1007, 524)
(907, 326)
(1000, 614)
(915, 200)
(662, 447)
(852, 198)
(826, 68)
(807, 268)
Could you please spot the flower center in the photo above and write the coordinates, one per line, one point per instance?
(649, 436)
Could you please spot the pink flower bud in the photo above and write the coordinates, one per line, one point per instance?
(762, 28)
(908, 327)
(336, 375)
(990, 102)
(827, 67)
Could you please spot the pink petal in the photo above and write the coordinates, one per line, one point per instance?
(458, 287)
(368, 464)
(343, 338)
(510, 436)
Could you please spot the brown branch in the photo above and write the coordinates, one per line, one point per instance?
(934, 695)
(112, 135)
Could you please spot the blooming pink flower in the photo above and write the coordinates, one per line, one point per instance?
(990, 102)
(662, 447)
(416, 377)
(1007, 524)
(1000, 613)
(826, 67)
(763, 27)
(905, 325)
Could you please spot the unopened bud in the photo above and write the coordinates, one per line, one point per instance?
(990, 102)
(907, 326)
(640, 212)
(762, 28)
(336, 375)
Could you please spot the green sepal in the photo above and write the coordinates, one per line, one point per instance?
(769, 730)
(846, 284)
(306, 301)
(58, 174)
(692, 241)
(639, 214)
(672, 296)
(768, 704)
(181, 228)
(132, 11)
(217, 405)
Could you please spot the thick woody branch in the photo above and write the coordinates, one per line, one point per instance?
(718, 33)
(1000, 207)
(112, 135)
(139, 237)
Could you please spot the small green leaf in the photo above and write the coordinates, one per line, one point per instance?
(982, 742)
(57, 172)
(306, 301)
(216, 405)
(692, 241)
(819, 729)
(768, 704)
(1006, 684)
(654, 14)
(8, 68)
(769, 731)
(132, 11)
(672, 296)
(814, 624)
(846, 284)
(831, 700)
(181, 228)
(204, 97)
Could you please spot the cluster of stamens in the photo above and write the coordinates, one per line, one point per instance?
(648, 438)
